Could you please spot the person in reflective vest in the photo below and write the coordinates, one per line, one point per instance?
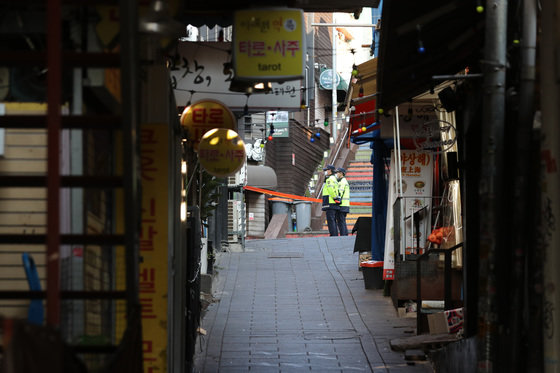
(344, 206)
(330, 198)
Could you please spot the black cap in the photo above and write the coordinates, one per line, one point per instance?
(329, 167)
(340, 169)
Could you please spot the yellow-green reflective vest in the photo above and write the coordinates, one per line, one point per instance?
(344, 193)
(330, 193)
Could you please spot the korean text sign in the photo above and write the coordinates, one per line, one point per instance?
(417, 172)
(269, 44)
(153, 246)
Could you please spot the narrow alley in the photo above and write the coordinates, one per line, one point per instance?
(294, 305)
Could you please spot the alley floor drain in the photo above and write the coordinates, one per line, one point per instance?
(285, 255)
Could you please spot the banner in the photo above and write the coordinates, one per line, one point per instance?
(154, 245)
(201, 70)
(417, 175)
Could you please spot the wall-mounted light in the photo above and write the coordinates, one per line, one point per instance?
(183, 211)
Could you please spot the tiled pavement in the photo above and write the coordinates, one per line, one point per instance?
(299, 305)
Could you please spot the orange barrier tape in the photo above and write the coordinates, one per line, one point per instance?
(293, 196)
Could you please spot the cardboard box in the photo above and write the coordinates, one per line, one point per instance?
(402, 312)
(446, 322)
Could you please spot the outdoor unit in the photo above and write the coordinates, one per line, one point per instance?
(236, 208)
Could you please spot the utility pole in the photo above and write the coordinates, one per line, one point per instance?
(550, 185)
(491, 202)
(334, 128)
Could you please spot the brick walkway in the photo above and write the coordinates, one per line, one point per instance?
(299, 305)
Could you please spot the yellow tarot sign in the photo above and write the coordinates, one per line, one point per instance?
(221, 152)
(269, 44)
(205, 115)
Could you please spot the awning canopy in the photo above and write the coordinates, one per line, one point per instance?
(261, 177)
(219, 12)
(451, 33)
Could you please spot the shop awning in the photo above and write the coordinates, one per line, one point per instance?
(261, 177)
(204, 12)
(451, 33)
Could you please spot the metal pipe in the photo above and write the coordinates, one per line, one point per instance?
(130, 99)
(54, 83)
(334, 126)
(550, 202)
(490, 183)
(398, 155)
(456, 77)
(520, 238)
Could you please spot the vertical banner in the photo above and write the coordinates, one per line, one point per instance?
(417, 176)
(154, 245)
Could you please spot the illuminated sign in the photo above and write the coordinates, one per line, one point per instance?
(221, 152)
(205, 115)
(269, 44)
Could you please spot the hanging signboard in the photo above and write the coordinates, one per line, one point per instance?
(269, 44)
(412, 120)
(221, 152)
(281, 122)
(203, 71)
(416, 191)
(205, 115)
(362, 118)
(326, 79)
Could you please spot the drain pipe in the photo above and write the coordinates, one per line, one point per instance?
(490, 183)
(550, 202)
(521, 236)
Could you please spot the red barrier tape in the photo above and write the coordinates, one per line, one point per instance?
(293, 196)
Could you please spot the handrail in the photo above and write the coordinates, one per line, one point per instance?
(446, 279)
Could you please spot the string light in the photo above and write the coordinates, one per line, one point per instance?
(479, 7)
(421, 48)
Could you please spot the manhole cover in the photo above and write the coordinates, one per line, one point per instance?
(285, 255)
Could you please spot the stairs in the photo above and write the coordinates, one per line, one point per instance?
(359, 173)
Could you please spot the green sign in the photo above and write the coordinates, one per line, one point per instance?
(281, 122)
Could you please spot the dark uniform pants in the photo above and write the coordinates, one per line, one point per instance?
(331, 222)
(341, 222)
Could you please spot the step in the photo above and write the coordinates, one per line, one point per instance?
(350, 221)
(321, 233)
(361, 193)
(362, 168)
(359, 178)
(361, 188)
(359, 173)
